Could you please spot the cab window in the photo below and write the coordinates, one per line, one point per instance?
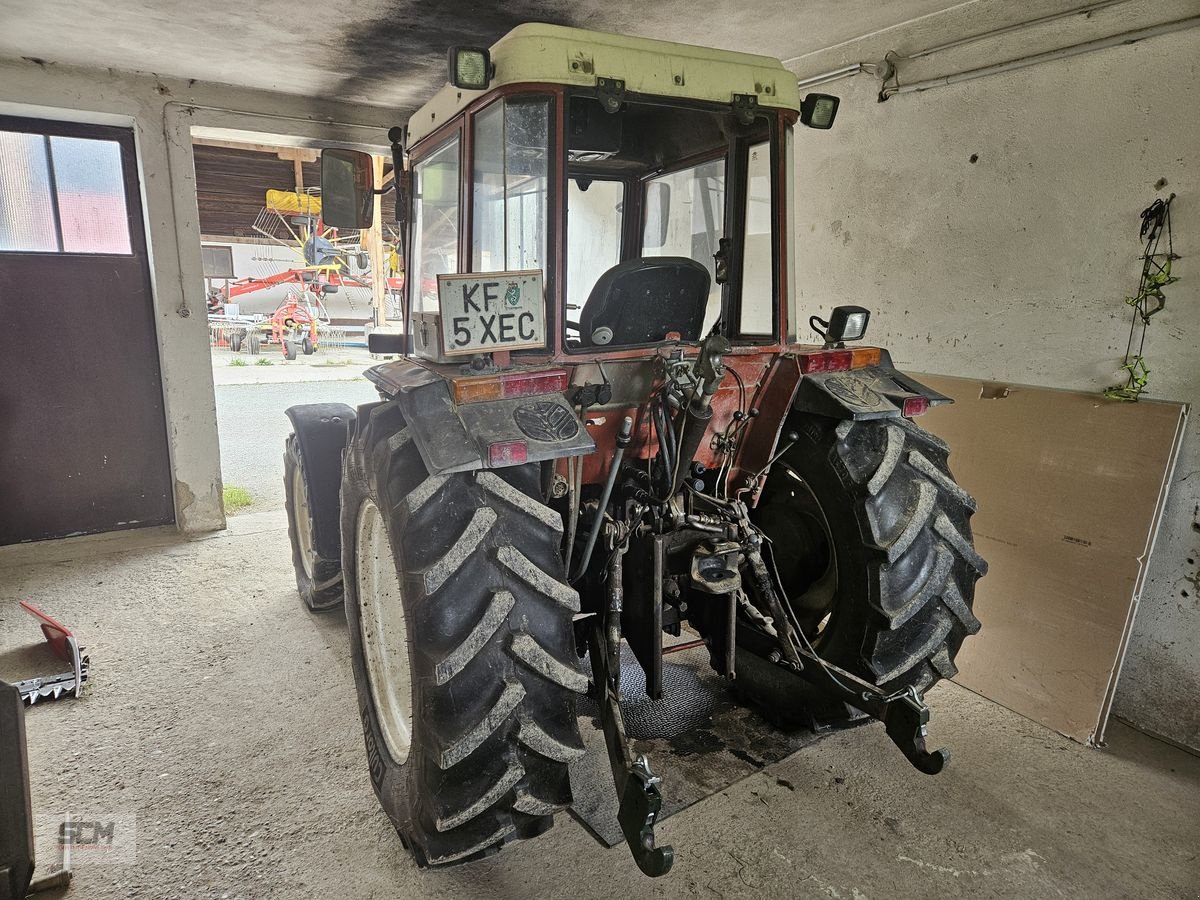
(685, 216)
(435, 224)
(508, 196)
(756, 317)
(655, 192)
(595, 216)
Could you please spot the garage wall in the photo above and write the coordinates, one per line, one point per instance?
(993, 228)
(164, 114)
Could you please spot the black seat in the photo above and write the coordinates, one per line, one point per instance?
(641, 300)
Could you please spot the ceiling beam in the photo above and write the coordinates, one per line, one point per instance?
(297, 154)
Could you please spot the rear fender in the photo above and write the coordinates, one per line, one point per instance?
(323, 430)
(877, 392)
(455, 437)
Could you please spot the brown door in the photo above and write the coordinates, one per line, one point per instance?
(83, 442)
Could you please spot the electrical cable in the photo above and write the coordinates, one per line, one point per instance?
(787, 605)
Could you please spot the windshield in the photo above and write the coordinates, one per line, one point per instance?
(649, 202)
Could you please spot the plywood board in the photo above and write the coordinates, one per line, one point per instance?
(1070, 489)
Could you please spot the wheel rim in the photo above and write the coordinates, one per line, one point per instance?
(815, 598)
(303, 521)
(384, 632)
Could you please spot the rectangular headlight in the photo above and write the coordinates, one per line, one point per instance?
(470, 68)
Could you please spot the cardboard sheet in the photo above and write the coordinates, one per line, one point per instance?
(1071, 488)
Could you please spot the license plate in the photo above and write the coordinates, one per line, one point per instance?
(483, 312)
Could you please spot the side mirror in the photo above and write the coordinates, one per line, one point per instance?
(658, 214)
(347, 188)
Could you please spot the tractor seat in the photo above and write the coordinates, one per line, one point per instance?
(641, 300)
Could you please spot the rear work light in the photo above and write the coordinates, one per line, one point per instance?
(838, 360)
(478, 388)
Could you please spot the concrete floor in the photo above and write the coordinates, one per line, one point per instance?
(221, 714)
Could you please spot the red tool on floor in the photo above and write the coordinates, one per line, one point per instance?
(66, 645)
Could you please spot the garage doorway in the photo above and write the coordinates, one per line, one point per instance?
(84, 443)
(269, 259)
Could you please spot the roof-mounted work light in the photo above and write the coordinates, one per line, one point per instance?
(819, 110)
(470, 68)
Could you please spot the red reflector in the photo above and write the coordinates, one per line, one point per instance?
(528, 385)
(826, 361)
(507, 453)
(914, 406)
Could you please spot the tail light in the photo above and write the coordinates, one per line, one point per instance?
(478, 388)
(838, 360)
(914, 406)
(507, 453)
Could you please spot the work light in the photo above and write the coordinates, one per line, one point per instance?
(819, 110)
(470, 68)
(846, 323)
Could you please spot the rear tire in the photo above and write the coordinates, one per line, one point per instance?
(900, 583)
(476, 563)
(319, 580)
(289, 349)
(308, 347)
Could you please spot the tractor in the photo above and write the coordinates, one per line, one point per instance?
(599, 427)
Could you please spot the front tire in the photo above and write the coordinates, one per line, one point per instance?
(886, 592)
(462, 645)
(318, 580)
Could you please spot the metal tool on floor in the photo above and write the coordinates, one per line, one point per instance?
(66, 645)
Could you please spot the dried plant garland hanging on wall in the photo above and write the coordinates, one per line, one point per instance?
(1149, 299)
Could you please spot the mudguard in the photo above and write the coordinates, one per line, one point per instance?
(323, 430)
(455, 437)
(877, 392)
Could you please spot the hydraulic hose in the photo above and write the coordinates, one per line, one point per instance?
(695, 417)
(623, 440)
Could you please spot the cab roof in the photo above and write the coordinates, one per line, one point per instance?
(553, 54)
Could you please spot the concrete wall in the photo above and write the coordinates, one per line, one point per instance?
(993, 228)
(164, 114)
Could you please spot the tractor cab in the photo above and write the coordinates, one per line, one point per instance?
(648, 183)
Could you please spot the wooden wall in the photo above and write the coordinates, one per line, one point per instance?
(231, 186)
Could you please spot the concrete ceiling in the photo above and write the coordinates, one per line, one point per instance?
(393, 53)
